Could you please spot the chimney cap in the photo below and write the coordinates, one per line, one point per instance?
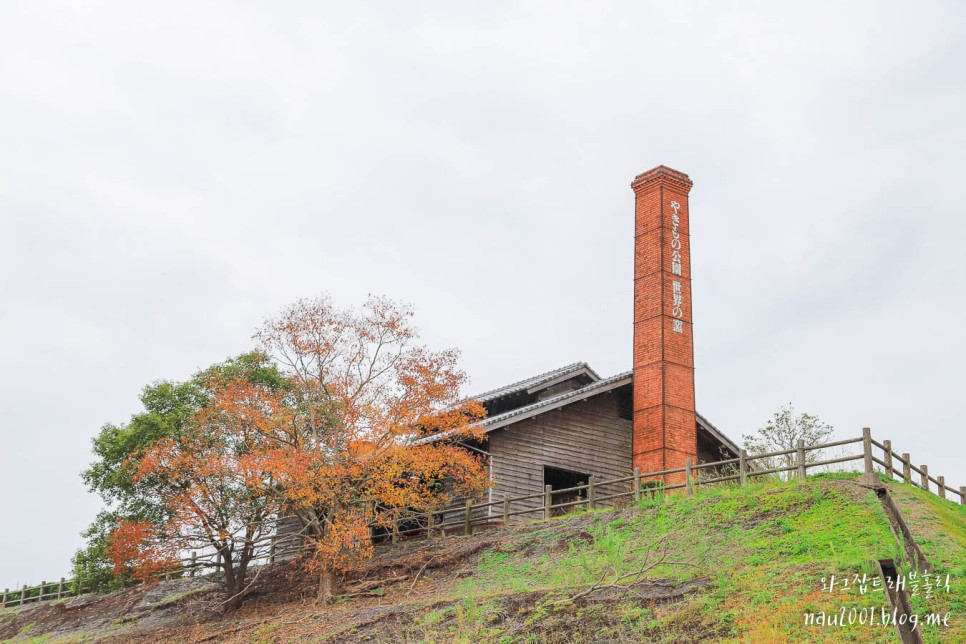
(664, 174)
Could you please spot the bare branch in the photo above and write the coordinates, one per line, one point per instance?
(416, 578)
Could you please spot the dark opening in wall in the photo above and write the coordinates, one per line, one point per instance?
(559, 479)
(625, 403)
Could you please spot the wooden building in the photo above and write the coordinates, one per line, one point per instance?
(561, 427)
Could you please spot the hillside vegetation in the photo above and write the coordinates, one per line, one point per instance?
(730, 564)
(939, 528)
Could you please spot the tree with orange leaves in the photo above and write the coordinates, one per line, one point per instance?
(192, 474)
(331, 433)
(136, 553)
(220, 495)
(362, 394)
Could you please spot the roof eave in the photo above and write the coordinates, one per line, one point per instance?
(542, 407)
(559, 374)
(564, 377)
(717, 433)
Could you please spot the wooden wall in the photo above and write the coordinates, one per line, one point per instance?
(709, 451)
(588, 437)
(288, 538)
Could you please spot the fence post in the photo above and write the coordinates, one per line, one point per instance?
(906, 468)
(60, 588)
(40, 595)
(23, 594)
(890, 471)
(637, 485)
(547, 500)
(925, 477)
(867, 448)
(506, 510)
(194, 558)
(801, 459)
(592, 492)
(6, 591)
(687, 476)
(962, 494)
(743, 467)
(942, 486)
(395, 529)
(468, 519)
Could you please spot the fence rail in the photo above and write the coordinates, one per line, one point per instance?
(633, 488)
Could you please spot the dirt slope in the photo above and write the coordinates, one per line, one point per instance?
(730, 565)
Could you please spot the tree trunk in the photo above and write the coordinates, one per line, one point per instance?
(234, 583)
(235, 599)
(328, 586)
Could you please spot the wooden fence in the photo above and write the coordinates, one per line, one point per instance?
(593, 495)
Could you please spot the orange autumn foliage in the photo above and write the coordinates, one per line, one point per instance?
(339, 440)
(363, 396)
(134, 549)
(213, 479)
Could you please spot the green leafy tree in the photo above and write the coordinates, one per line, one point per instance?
(92, 568)
(168, 409)
(783, 432)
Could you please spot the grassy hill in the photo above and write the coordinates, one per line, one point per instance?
(939, 528)
(730, 564)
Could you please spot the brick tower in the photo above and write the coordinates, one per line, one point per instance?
(664, 432)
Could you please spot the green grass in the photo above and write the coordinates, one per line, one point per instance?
(765, 548)
(265, 634)
(939, 527)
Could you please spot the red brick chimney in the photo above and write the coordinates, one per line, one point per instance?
(664, 432)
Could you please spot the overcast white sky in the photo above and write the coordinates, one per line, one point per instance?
(171, 173)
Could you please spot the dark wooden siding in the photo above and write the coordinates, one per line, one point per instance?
(455, 512)
(588, 437)
(288, 540)
(710, 450)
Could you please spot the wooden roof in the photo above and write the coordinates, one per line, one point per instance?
(542, 381)
(521, 394)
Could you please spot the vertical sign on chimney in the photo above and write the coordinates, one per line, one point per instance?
(664, 430)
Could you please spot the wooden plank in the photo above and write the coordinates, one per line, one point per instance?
(867, 448)
(890, 471)
(687, 477)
